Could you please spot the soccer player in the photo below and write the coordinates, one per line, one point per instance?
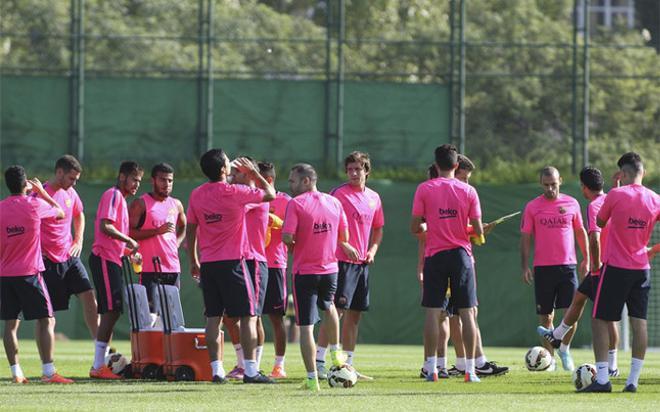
(65, 274)
(216, 220)
(111, 237)
(632, 211)
(553, 220)
(158, 223)
(591, 182)
(314, 226)
(256, 225)
(22, 288)
(275, 304)
(364, 212)
(446, 204)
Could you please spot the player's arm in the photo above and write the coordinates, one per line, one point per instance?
(246, 166)
(181, 223)
(38, 187)
(594, 251)
(652, 251)
(193, 257)
(136, 214)
(421, 246)
(108, 229)
(525, 247)
(289, 240)
(78, 234)
(350, 251)
(416, 224)
(376, 239)
(581, 236)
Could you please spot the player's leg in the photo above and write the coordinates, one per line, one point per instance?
(261, 338)
(456, 336)
(110, 291)
(10, 307)
(545, 281)
(231, 325)
(434, 290)
(443, 340)
(612, 353)
(464, 297)
(637, 304)
(358, 304)
(327, 287)
(213, 326)
(565, 291)
(482, 365)
(259, 276)
(275, 303)
(305, 295)
(211, 283)
(78, 283)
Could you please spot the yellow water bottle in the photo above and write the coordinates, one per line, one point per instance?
(136, 260)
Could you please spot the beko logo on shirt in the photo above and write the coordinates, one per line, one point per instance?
(322, 227)
(15, 230)
(447, 213)
(212, 217)
(635, 223)
(554, 222)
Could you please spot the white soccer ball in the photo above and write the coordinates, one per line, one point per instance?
(538, 359)
(342, 376)
(116, 362)
(584, 376)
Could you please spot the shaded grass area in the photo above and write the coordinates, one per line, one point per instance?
(396, 386)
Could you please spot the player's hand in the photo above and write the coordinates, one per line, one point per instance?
(245, 166)
(527, 276)
(76, 249)
(195, 271)
(132, 245)
(420, 276)
(652, 251)
(488, 227)
(616, 179)
(584, 268)
(35, 185)
(167, 227)
(350, 251)
(371, 256)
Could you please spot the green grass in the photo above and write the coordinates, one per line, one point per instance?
(396, 386)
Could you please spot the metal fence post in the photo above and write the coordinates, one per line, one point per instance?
(201, 118)
(574, 119)
(77, 80)
(210, 83)
(340, 84)
(585, 90)
(327, 136)
(452, 58)
(461, 84)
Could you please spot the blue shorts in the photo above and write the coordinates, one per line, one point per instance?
(554, 287)
(259, 276)
(27, 294)
(276, 297)
(449, 267)
(352, 286)
(65, 279)
(312, 293)
(227, 288)
(618, 287)
(109, 284)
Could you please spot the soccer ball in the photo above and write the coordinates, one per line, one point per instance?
(116, 362)
(342, 376)
(584, 376)
(538, 359)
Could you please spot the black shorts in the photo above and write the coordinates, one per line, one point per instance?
(588, 286)
(276, 297)
(622, 286)
(352, 286)
(554, 287)
(109, 284)
(259, 276)
(65, 279)
(27, 294)
(227, 288)
(312, 293)
(449, 267)
(148, 280)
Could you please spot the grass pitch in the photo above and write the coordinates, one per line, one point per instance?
(396, 386)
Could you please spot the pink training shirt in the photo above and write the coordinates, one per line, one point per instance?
(256, 224)
(112, 207)
(20, 240)
(315, 219)
(552, 223)
(56, 238)
(165, 246)
(218, 208)
(364, 211)
(592, 227)
(276, 251)
(446, 204)
(632, 212)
